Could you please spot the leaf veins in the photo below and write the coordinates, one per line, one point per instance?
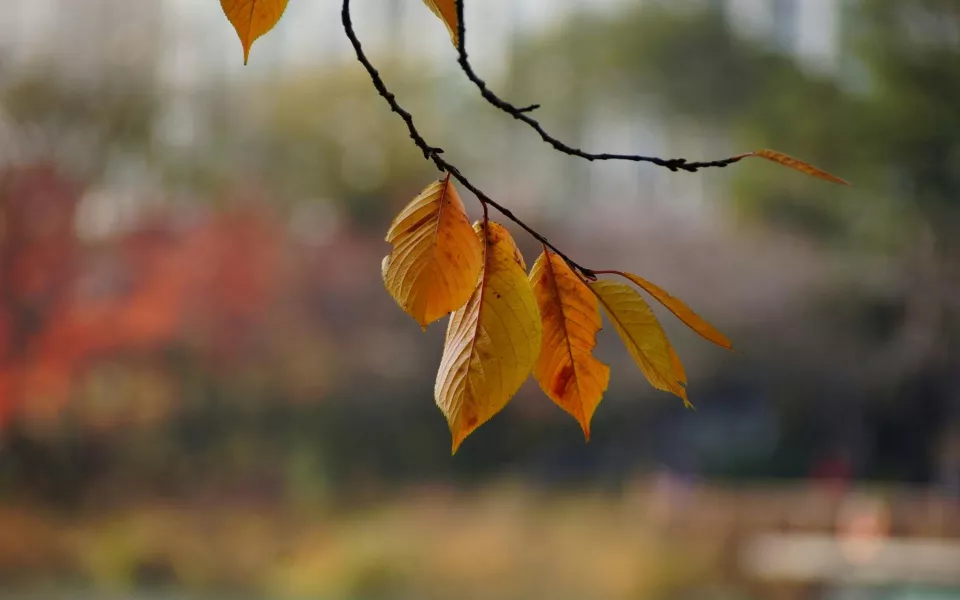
(492, 342)
(643, 336)
(436, 255)
(567, 371)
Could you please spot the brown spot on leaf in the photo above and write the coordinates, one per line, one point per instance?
(562, 380)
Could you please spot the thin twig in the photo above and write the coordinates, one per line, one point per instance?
(521, 114)
(433, 153)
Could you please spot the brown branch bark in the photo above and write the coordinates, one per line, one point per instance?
(522, 114)
(433, 153)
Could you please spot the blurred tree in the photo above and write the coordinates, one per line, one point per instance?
(887, 120)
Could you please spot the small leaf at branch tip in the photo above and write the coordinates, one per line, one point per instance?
(799, 165)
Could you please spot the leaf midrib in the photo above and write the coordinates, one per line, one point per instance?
(566, 332)
(626, 332)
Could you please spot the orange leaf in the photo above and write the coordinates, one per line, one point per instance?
(567, 371)
(447, 11)
(492, 342)
(252, 19)
(643, 336)
(799, 165)
(681, 310)
(436, 256)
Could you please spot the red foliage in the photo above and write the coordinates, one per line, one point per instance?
(65, 305)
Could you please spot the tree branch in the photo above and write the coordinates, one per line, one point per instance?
(433, 153)
(521, 114)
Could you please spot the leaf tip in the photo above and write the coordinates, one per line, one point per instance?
(799, 165)
(421, 318)
(457, 441)
(681, 392)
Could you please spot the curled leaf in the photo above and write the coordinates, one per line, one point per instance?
(681, 311)
(798, 165)
(447, 11)
(643, 336)
(567, 371)
(252, 19)
(492, 342)
(436, 255)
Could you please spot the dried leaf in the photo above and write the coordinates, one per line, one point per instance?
(252, 19)
(447, 11)
(492, 342)
(567, 371)
(799, 165)
(643, 336)
(436, 257)
(681, 310)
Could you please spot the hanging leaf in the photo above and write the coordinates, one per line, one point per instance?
(447, 11)
(680, 310)
(798, 165)
(643, 336)
(492, 342)
(252, 19)
(436, 255)
(567, 371)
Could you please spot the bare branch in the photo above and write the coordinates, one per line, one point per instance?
(521, 114)
(433, 153)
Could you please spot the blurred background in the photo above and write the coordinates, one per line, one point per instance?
(206, 393)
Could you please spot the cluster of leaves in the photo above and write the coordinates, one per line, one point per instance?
(505, 323)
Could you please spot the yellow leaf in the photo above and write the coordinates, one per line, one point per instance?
(678, 369)
(681, 310)
(643, 336)
(447, 11)
(492, 342)
(799, 165)
(436, 257)
(252, 19)
(567, 371)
